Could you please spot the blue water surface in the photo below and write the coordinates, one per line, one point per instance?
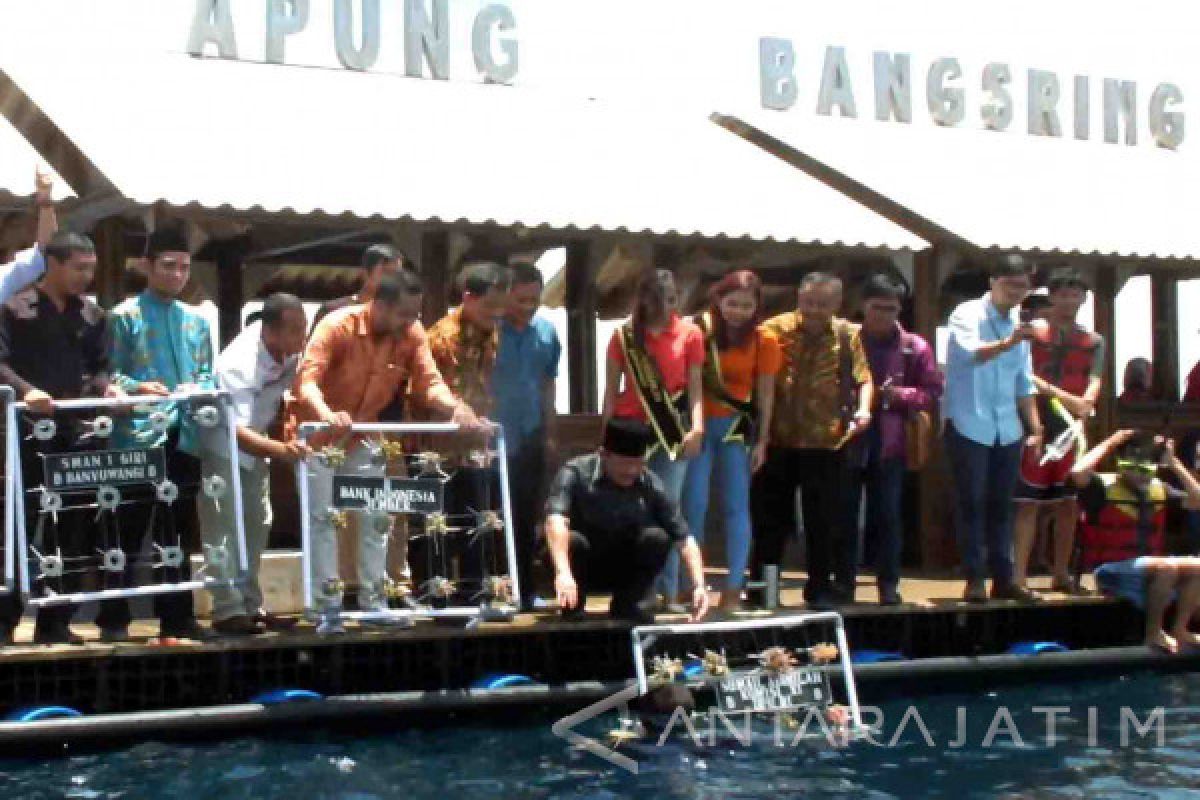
(1085, 758)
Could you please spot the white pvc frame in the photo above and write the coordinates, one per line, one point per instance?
(7, 395)
(307, 429)
(15, 522)
(643, 636)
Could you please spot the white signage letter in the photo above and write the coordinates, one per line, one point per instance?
(835, 85)
(997, 109)
(428, 38)
(1166, 126)
(212, 23)
(893, 87)
(946, 106)
(1120, 100)
(501, 19)
(1043, 97)
(284, 17)
(1083, 108)
(349, 53)
(776, 73)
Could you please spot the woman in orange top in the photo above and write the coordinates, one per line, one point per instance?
(739, 389)
(676, 348)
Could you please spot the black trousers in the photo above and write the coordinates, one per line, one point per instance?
(819, 475)
(63, 534)
(469, 489)
(526, 481)
(177, 523)
(624, 563)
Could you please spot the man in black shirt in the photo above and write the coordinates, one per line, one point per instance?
(610, 525)
(53, 346)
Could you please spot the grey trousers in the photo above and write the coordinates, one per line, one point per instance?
(217, 525)
(374, 530)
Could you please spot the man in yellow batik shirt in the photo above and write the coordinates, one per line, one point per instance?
(464, 345)
(823, 399)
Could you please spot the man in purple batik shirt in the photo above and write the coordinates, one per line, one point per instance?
(907, 380)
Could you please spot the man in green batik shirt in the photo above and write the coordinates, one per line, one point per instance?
(160, 346)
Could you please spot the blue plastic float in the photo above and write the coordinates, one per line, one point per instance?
(276, 697)
(1037, 648)
(42, 712)
(499, 680)
(874, 656)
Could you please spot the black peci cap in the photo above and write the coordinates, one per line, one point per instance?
(627, 437)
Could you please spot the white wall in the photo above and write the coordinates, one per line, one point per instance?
(550, 264)
(1135, 327)
(1189, 322)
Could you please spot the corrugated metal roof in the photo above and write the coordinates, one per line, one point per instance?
(1009, 190)
(243, 136)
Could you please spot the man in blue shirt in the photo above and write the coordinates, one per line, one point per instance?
(160, 346)
(989, 409)
(523, 381)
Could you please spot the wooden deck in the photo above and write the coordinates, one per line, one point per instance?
(432, 660)
(919, 593)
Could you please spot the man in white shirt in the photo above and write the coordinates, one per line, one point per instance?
(256, 369)
(29, 264)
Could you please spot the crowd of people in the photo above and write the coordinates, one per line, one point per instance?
(748, 411)
(727, 406)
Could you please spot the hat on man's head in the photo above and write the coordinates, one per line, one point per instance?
(166, 240)
(627, 437)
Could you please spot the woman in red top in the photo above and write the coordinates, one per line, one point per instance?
(739, 392)
(676, 348)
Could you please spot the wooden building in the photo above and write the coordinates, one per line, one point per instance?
(284, 173)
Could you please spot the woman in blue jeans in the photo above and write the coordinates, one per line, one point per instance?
(741, 363)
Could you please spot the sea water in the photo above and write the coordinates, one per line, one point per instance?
(1136, 736)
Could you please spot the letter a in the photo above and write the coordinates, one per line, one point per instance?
(212, 23)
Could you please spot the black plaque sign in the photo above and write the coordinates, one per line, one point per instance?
(64, 472)
(770, 691)
(393, 495)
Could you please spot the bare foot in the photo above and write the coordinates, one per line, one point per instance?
(1162, 641)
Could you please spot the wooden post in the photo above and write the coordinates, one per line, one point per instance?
(581, 329)
(1104, 292)
(1165, 304)
(434, 265)
(230, 256)
(935, 542)
(109, 283)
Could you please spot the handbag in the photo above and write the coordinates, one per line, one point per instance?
(918, 440)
